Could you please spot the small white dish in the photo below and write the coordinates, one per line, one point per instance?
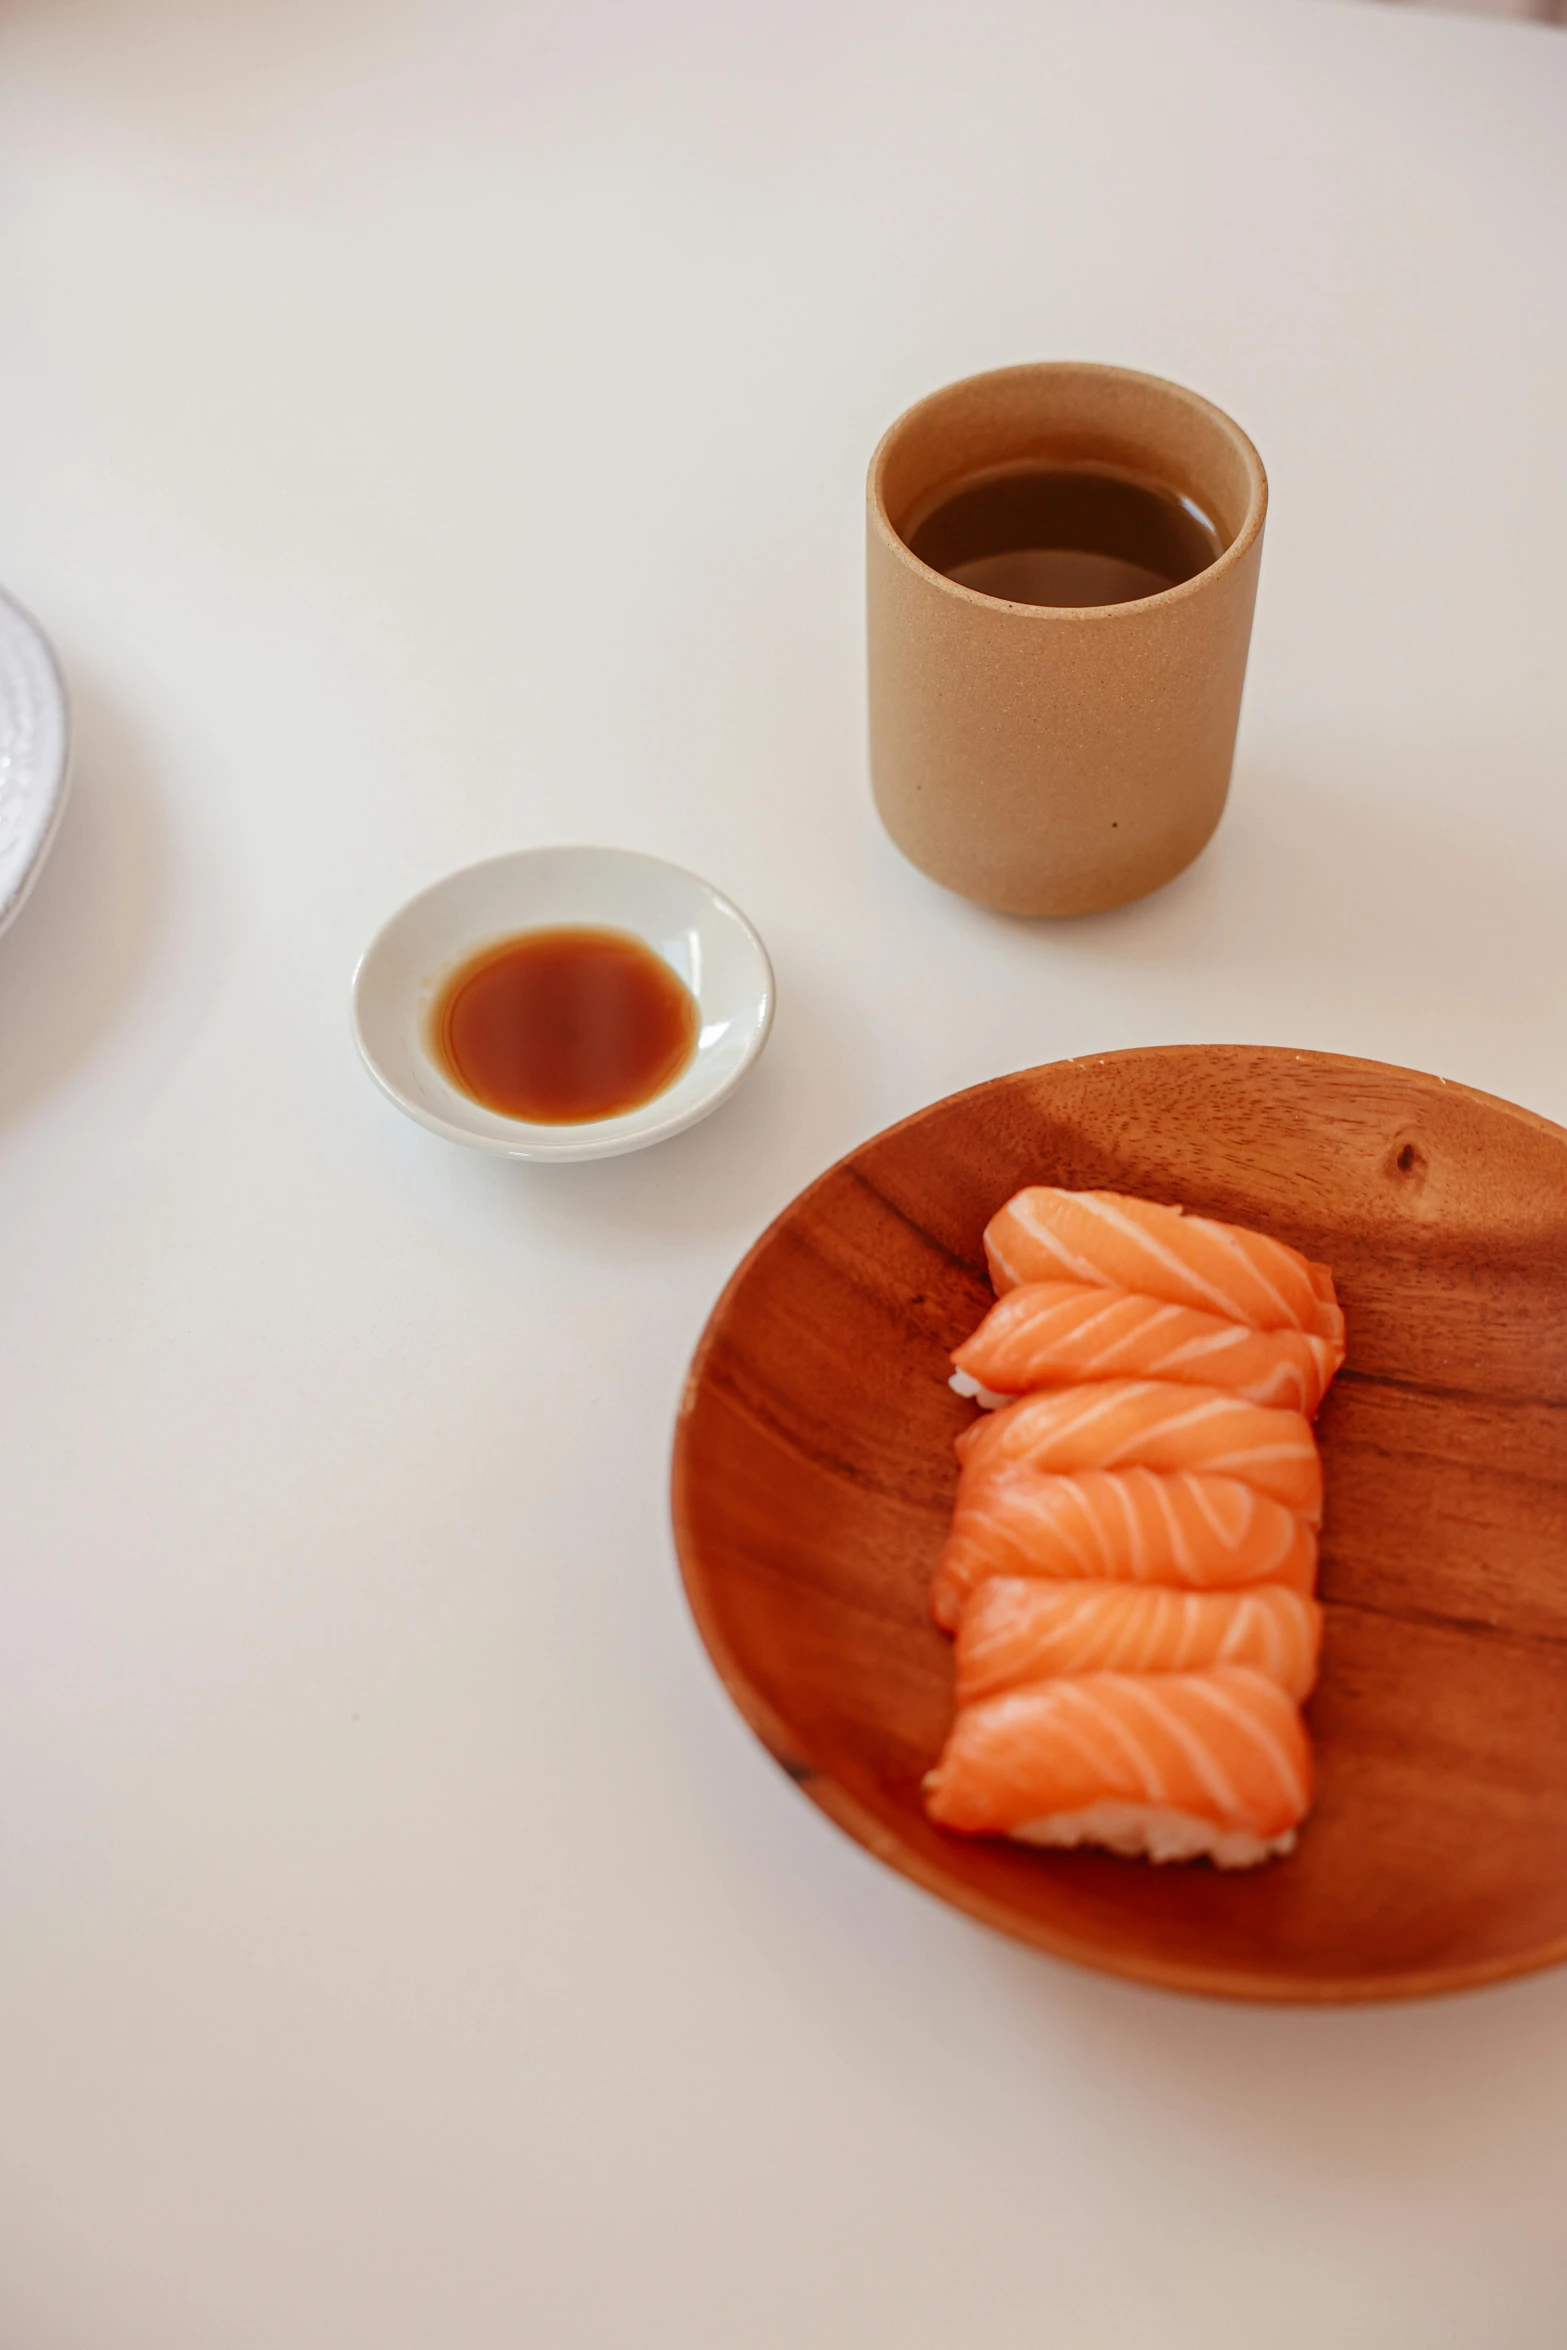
(35, 746)
(699, 934)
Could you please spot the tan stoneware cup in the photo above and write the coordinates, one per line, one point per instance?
(1041, 759)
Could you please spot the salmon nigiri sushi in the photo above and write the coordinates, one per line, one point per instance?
(1149, 1424)
(1171, 1765)
(1050, 1333)
(1015, 1632)
(1122, 1525)
(1110, 1241)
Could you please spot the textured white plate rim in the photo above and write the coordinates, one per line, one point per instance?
(57, 790)
(604, 1138)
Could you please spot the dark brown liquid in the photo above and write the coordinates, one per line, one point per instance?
(563, 1026)
(1053, 536)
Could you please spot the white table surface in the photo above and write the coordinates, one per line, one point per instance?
(434, 427)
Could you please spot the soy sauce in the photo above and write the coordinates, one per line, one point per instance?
(564, 1026)
(1066, 536)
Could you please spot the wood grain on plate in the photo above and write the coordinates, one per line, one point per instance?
(814, 1476)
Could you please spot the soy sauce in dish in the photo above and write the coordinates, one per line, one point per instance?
(564, 1026)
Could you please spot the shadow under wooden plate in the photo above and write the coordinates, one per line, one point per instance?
(813, 1478)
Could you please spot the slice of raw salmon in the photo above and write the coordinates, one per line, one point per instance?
(1049, 1333)
(1111, 1241)
(1015, 1632)
(1168, 1763)
(1124, 1525)
(1147, 1424)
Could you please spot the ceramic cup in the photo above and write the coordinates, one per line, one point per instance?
(1041, 759)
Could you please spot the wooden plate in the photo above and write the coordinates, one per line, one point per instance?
(813, 1477)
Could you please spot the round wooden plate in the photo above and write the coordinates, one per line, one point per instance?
(813, 1478)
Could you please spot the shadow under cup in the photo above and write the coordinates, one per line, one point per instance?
(1059, 757)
